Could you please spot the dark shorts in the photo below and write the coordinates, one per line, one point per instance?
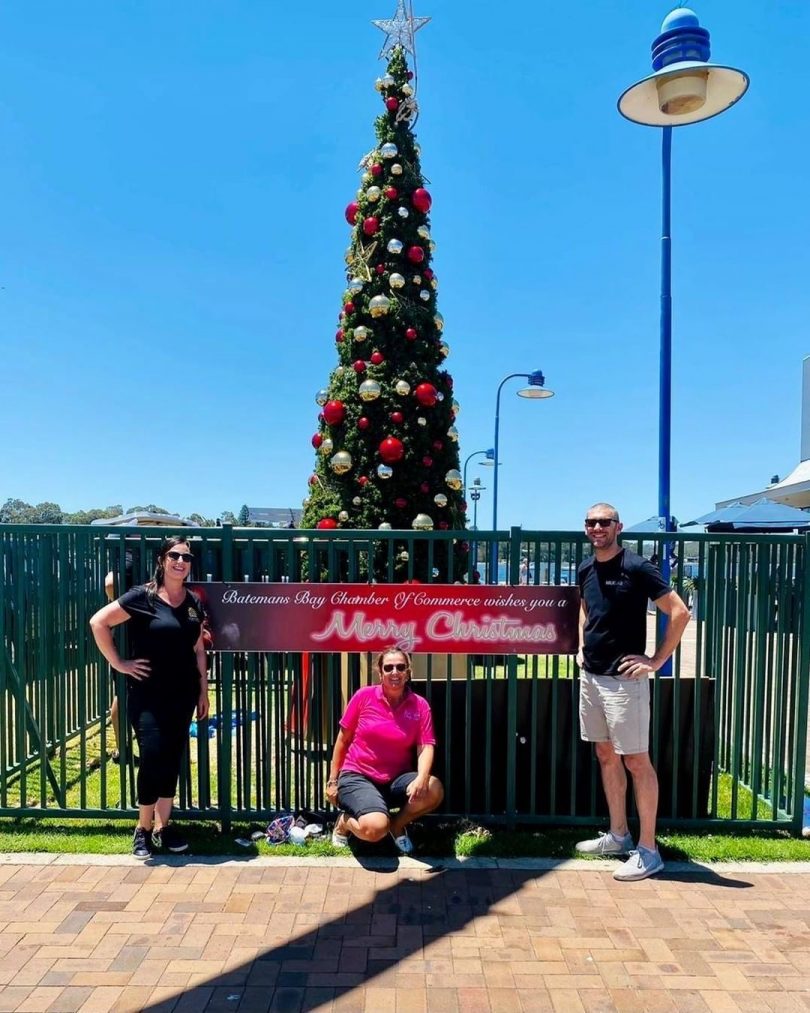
(359, 795)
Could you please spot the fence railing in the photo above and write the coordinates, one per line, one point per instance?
(729, 728)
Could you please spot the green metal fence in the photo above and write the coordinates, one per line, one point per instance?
(729, 727)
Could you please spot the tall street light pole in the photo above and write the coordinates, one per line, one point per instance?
(490, 459)
(536, 389)
(684, 88)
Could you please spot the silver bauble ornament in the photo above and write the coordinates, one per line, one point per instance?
(417, 279)
(444, 348)
(361, 333)
(452, 433)
(326, 447)
(384, 471)
(403, 212)
(367, 177)
(369, 390)
(357, 501)
(396, 169)
(440, 499)
(403, 388)
(305, 502)
(389, 150)
(322, 397)
(341, 462)
(388, 82)
(379, 305)
(432, 246)
(406, 90)
(435, 572)
(423, 232)
(338, 370)
(378, 84)
(438, 320)
(453, 479)
(356, 286)
(422, 522)
(404, 556)
(394, 246)
(343, 516)
(456, 406)
(421, 420)
(373, 193)
(440, 396)
(434, 283)
(424, 294)
(418, 149)
(385, 526)
(396, 281)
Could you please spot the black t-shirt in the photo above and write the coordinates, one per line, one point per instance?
(165, 636)
(615, 594)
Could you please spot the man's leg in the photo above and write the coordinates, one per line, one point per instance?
(645, 789)
(614, 782)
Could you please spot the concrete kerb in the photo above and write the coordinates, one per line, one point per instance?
(388, 864)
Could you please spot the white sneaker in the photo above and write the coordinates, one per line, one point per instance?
(606, 844)
(641, 864)
(404, 843)
(339, 840)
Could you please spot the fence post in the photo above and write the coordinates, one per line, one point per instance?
(800, 743)
(224, 762)
(515, 535)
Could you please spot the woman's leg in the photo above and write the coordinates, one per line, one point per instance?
(147, 734)
(173, 738)
(411, 810)
(366, 814)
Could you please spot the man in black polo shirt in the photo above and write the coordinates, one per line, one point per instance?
(614, 703)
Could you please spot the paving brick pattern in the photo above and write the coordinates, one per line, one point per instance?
(264, 936)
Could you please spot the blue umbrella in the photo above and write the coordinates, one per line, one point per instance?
(767, 513)
(648, 527)
(724, 515)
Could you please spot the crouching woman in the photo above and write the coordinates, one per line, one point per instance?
(372, 772)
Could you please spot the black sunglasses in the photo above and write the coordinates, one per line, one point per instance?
(185, 556)
(400, 666)
(600, 522)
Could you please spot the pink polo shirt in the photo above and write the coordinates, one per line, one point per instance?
(383, 740)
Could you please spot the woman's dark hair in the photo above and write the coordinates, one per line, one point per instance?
(157, 581)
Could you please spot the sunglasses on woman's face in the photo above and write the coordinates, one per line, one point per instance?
(176, 556)
(400, 666)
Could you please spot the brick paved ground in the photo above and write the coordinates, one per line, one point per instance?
(268, 935)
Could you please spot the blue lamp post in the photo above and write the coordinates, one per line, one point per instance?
(536, 389)
(684, 88)
(490, 459)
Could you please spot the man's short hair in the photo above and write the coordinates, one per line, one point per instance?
(604, 506)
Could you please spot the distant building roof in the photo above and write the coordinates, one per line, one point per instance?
(145, 518)
(274, 517)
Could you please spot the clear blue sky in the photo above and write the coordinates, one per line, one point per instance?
(172, 183)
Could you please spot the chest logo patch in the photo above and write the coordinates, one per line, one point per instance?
(192, 614)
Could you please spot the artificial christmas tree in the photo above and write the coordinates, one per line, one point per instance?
(386, 445)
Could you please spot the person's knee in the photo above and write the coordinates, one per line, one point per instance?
(606, 754)
(435, 792)
(374, 825)
(638, 763)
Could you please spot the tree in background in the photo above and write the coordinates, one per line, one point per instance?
(244, 516)
(386, 447)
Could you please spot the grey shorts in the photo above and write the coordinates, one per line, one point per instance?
(615, 710)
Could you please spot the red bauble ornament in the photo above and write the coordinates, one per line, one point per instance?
(348, 307)
(376, 169)
(377, 358)
(334, 412)
(400, 502)
(363, 422)
(371, 225)
(397, 417)
(444, 525)
(327, 523)
(438, 445)
(320, 416)
(428, 273)
(392, 450)
(391, 192)
(339, 335)
(409, 75)
(362, 479)
(425, 488)
(415, 254)
(449, 381)
(359, 366)
(411, 334)
(313, 479)
(351, 212)
(392, 104)
(421, 200)
(427, 461)
(425, 394)
(316, 440)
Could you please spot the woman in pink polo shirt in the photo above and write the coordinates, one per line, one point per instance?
(383, 727)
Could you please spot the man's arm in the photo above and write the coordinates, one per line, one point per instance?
(638, 666)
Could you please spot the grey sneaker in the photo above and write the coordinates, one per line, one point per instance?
(641, 864)
(606, 844)
(140, 844)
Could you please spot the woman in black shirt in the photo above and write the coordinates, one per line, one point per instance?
(167, 680)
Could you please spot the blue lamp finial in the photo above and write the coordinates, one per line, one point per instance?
(681, 40)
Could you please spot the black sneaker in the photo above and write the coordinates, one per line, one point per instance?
(140, 843)
(168, 839)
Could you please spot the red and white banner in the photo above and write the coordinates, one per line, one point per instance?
(425, 618)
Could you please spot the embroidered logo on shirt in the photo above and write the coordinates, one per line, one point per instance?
(411, 715)
(192, 614)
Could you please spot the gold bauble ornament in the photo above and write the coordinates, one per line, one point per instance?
(361, 333)
(357, 501)
(456, 407)
(396, 280)
(417, 279)
(384, 471)
(452, 434)
(388, 82)
(403, 388)
(422, 522)
(374, 193)
(321, 397)
(356, 286)
(421, 420)
(326, 447)
(444, 348)
(396, 169)
(404, 556)
(378, 85)
(379, 305)
(341, 462)
(343, 516)
(440, 499)
(406, 90)
(389, 150)
(438, 320)
(423, 232)
(369, 390)
(385, 526)
(453, 479)
(367, 177)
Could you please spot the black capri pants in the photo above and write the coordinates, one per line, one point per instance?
(162, 733)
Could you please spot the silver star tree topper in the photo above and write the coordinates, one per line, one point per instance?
(400, 30)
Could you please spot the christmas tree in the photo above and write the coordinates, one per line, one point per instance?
(386, 446)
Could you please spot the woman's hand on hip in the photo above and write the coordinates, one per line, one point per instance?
(138, 669)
